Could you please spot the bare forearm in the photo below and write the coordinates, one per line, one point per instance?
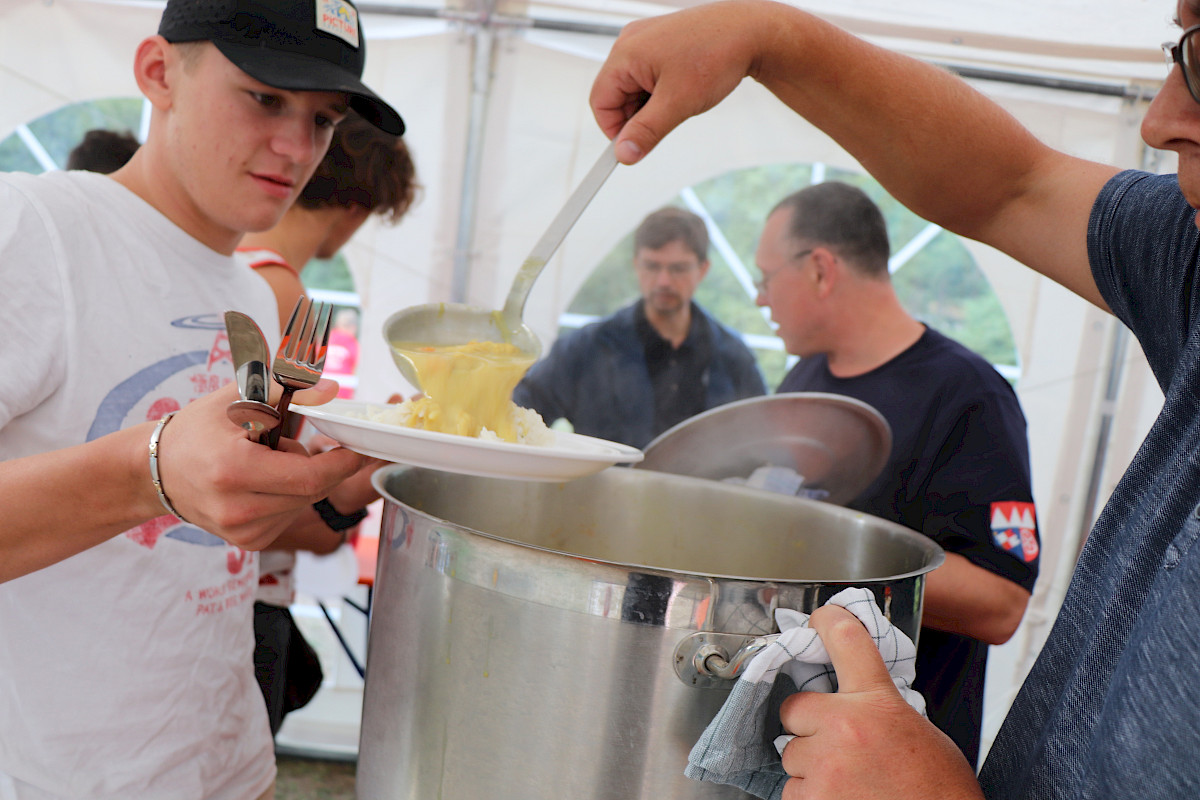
(885, 109)
(62, 502)
(963, 598)
(941, 148)
(310, 533)
(58, 504)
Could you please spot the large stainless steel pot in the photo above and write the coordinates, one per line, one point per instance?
(533, 640)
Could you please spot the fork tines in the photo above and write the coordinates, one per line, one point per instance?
(301, 355)
(305, 344)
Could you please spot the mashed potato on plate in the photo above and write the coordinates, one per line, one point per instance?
(527, 424)
(468, 392)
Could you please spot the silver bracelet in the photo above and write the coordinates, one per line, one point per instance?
(154, 476)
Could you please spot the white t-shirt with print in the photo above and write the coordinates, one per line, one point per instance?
(126, 671)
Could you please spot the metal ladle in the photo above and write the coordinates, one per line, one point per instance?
(446, 324)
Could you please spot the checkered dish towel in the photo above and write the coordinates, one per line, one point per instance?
(743, 743)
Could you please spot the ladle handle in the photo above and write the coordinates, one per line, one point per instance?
(514, 305)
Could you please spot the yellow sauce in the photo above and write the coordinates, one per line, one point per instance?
(467, 387)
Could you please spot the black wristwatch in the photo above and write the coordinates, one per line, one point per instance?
(335, 519)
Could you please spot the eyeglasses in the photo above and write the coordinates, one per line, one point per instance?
(675, 270)
(761, 283)
(1184, 54)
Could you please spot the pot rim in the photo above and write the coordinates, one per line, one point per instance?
(934, 554)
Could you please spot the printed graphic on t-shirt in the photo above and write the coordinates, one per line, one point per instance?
(235, 591)
(1014, 528)
(148, 394)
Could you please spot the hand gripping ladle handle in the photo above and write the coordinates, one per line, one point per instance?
(514, 304)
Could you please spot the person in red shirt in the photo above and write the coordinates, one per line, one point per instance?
(341, 359)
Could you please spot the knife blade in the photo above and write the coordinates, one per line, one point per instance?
(251, 356)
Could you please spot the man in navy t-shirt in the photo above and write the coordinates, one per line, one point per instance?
(959, 467)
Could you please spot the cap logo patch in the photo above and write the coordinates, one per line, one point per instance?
(339, 18)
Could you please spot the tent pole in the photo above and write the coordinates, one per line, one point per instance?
(488, 19)
(1134, 91)
(481, 86)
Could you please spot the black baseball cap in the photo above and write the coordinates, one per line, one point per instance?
(299, 45)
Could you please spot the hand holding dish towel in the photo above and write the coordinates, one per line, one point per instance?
(742, 745)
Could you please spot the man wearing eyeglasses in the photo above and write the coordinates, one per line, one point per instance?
(654, 363)
(958, 470)
(1109, 708)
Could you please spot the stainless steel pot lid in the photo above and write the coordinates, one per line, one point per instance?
(836, 443)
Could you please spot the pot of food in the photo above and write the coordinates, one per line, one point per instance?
(540, 640)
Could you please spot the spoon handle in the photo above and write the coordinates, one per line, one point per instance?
(514, 304)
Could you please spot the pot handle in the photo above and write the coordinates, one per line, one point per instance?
(703, 659)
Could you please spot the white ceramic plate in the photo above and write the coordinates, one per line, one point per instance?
(572, 456)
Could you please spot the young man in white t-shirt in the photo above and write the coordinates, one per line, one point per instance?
(125, 632)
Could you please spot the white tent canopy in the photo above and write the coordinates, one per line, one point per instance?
(495, 97)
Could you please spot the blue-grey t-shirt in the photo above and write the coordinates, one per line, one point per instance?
(1111, 708)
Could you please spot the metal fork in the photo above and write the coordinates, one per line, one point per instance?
(301, 355)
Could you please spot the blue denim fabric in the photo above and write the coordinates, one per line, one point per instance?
(1111, 708)
(597, 378)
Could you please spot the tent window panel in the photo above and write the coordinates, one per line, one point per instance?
(15, 156)
(940, 283)
(942, 286)
(60, 130)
